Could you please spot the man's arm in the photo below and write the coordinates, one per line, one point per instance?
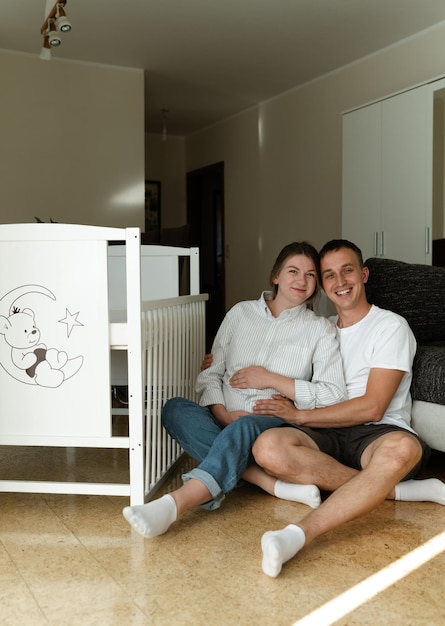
(380, 389)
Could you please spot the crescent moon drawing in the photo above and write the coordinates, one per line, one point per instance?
(8, 300)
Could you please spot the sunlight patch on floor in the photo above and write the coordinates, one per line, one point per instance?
(340, 606)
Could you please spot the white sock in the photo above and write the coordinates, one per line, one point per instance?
(154, 518)
(306, 494)
(427, 490)
(279, 546)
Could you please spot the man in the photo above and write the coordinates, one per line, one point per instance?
(360, 449)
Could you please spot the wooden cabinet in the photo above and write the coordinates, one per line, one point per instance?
(388, 176)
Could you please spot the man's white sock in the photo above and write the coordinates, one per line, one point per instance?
(279, 546)
(427, 490)
(154, 518)
(306, 494)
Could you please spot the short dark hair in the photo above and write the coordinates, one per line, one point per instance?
(336, 244)
(292, 249)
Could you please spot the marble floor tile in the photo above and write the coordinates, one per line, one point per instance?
(67, 559)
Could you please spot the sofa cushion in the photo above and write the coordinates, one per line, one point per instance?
(429, 374)
(417, 292)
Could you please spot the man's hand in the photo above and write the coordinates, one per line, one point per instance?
(254, 377)
(279, 406)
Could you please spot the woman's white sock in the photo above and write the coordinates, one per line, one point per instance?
(154, 518)
(427, 490)
(279, 546)
(306, 494)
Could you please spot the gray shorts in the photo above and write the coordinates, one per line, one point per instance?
(347, 445)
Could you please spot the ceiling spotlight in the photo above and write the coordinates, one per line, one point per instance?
(54, 38)
(62, 22)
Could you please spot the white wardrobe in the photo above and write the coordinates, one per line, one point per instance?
(392, 184)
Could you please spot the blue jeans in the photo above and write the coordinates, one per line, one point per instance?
(223, 453)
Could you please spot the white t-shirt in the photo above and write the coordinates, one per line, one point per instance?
(382, 339)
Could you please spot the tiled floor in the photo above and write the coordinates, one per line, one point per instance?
(74, 560)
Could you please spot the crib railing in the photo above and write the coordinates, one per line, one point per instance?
(174, 344)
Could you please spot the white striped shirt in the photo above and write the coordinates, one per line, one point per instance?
(297, 344)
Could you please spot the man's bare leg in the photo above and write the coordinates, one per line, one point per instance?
(305, 494)
(386, 461)
(290, 455)
(282, 452)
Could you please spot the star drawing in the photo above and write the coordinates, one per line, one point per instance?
(70, 320)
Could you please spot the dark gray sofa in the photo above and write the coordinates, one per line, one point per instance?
(417, 292)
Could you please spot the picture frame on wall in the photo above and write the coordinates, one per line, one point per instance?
(153, 208)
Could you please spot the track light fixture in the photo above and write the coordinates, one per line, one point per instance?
(55, 23)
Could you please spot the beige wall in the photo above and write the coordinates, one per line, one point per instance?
(165, 162)
(283, 158)
(72, 142)
(72, 148)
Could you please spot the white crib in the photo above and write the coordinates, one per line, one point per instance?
(65, 307)
(174, 342)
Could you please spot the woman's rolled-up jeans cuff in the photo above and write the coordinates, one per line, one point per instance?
(207, 479)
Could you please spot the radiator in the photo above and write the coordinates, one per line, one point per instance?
(174, 339)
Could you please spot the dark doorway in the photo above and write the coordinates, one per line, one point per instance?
(205, 215)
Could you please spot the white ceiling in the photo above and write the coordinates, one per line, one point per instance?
(205, 60)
